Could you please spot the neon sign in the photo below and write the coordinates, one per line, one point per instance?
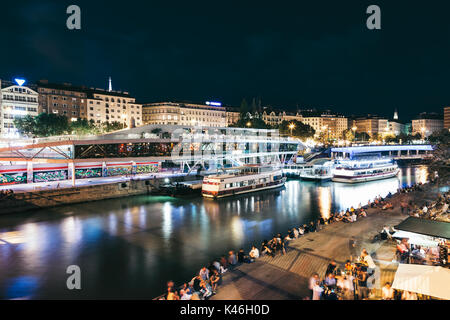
(212, 103)
(20, 81)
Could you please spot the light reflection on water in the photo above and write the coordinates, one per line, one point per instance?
(129, 247)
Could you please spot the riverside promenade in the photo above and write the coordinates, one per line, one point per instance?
(286, 277)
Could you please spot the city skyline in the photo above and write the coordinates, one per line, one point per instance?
(84, 87)
(295, 55)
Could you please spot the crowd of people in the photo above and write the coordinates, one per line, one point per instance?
(206, 282)
(433, 210)
(6, 194)
(353, 281)
(348, 282)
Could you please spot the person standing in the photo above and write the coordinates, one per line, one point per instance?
(363, 291)
(387, 293)
(317, 291)
(367, 259)
(331, 267)
(312, 283)
(352, 248)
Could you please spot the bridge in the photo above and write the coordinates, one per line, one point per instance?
(141, 151)
(412, 151)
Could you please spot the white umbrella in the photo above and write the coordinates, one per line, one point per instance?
(428, 280)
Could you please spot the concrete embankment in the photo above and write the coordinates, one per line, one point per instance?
(55, 197)
(51, 197)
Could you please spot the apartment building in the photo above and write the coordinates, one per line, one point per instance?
(16, 101)
(427, 123)
(188, 114)
(447, 118)
(372, 125)
(62, 99)
(326, 122)
(113, 106)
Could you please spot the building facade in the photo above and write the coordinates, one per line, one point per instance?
(396, 127)
(17, 101)
(113, 106)
(187, 114)
(233, 115)
(327, 123)
(447, 118)
(62, 99)
(372, 125)
(427, 123)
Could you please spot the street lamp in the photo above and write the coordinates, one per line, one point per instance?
(291, 126)
(249, 124)
(328, 131)
(423, 132)
(354, 132)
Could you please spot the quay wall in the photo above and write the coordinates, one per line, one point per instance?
(27, 201)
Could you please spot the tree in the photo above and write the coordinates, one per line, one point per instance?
(376, 137)
(113, 126)
(362, 136)
(348, 135)
(297, 128)
(25, 126)
(416, 136)
(156, 131)
(43, 125)
(254, 108)
(391, 138)
(255, 123)
(81, 127)
(50, 124)
(244, 109)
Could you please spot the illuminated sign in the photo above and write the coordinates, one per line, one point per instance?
(215, 104)
(19, 81)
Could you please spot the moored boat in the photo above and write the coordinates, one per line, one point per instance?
(318, 172)
(363, 170)
(250, 178)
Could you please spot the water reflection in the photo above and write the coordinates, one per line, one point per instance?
(325, 201)
(142, 241)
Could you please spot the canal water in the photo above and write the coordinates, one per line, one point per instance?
(130, 247)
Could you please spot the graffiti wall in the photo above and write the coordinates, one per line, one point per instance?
(148, 168)
(88, 173)
(47, 176)
(13, 178)
(118, 171)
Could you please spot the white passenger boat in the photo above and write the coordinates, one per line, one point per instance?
(318, 172)
(294, 170)
(250, 178)
(353, 171)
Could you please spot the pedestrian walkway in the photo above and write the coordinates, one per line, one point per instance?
(286, 277)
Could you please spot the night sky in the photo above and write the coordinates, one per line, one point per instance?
(297, 53)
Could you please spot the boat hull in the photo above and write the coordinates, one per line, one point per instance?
(257, 188)
(364, 178)
(311, 178)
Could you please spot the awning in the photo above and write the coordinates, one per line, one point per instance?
(415, 238)
(427, 227)
(427, 280)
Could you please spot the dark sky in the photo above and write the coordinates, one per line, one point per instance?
(306, 53)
